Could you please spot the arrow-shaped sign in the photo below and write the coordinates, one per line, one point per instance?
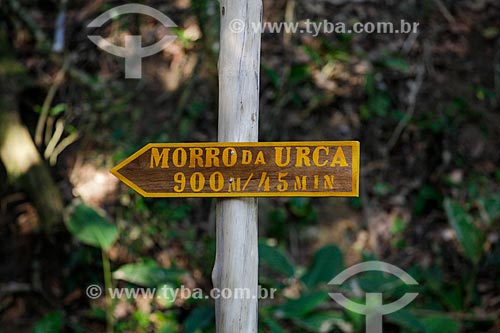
(254, 169)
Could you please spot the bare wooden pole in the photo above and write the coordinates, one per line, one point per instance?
(236, 263)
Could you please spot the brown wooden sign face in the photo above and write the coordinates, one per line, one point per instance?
(250, 169)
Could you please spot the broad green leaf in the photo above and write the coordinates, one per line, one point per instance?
(147, 274)
(327, 263)
(451, 296)
(52, 322)
(468, 234)
(273, 325)
(297, 308)
(321, 322)
(440, 324)
(91, 228)
(198, 319)
(275, 260)
(406, 319)
(398, 64)
(376, 281)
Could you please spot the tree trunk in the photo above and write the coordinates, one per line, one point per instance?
(18, 152)
(25, 166)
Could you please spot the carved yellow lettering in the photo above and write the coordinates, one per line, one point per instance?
(328, 183)
(229, 157)
(197, 181)
(195, 157)
(283, 184)
(339, 158)
(180, 180)
(246, 157)
(235, 185)
(279, 156)
(265, 181)
(315, 156)
(212, 157)
(300, 183)
(179, 157)
(260, 158)
(303, 157)
(156, 158)
(216, 181)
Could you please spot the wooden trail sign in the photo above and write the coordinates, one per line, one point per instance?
(253, 169)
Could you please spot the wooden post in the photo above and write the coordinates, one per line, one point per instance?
(236, 262)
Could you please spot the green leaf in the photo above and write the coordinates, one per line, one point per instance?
(398, 64)
(141, 319)
(380, 104)
(426, 198)
(406, 319)
(198, 319)
(376, 281)
(398, 226)
(273, 325)
(452, 297)
(166, 322)
(297, 308)
(468, 234)
(299, 73)
(275, 259)
(319, 322)
(303, 209)
(97, 313)
(272, 74)
(491, 206)
(147, 274)
(52, 322)
(91, 228)
(327, 263)
(440, 324)
(58, 109)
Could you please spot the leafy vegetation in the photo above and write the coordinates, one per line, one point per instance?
(424, 107)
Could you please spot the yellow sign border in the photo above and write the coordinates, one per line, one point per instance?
(355, 169)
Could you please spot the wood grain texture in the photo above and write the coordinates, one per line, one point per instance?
(258, 169)
(236, 260)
